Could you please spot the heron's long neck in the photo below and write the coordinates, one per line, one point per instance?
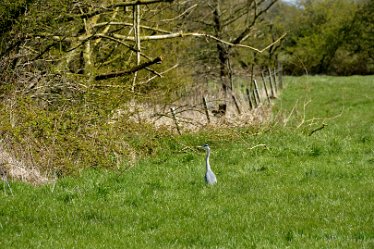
(207, 160)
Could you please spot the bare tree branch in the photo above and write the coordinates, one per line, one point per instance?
(159, 75)
(123, 4)
(181, 34)
(239, 12)
(179, 16)
(130, 25)
(128, 72)
(244, 35)
(122, 43)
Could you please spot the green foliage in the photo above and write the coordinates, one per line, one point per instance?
(9, 12)
(66, 137)
(299, 191)
(51, 111)
(327, 36)
(357, 54)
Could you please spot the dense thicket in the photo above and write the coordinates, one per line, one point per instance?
(72, 72)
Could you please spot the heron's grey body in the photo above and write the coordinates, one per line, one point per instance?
(210, 177)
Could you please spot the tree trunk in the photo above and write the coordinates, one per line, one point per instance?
(136, 21)
(222, 49)
(89, 67)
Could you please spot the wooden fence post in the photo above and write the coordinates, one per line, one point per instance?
(175, 120)
(206, 109)
(252, 70)
(280, 75)
(276, 83)
(255, 103)
(271, 84)
(236, 104)
(256, 90)
(265, 87)
(249, 99)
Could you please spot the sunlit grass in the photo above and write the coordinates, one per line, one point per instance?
(277, 186)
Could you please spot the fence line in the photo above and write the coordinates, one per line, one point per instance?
(245, 100)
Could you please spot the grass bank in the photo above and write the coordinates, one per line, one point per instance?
(278, 186)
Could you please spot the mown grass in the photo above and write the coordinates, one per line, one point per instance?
(298, 191)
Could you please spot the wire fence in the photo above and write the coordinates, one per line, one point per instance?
(247, 102)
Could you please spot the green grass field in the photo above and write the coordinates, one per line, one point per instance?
(277, 186)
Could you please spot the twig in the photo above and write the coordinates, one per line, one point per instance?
(334, 117)
(120, 42)
(185, 12)
(187, 148)
(303, 120)
(158, 75)
(318, 129)
(289, 116)
(110, 7)
(258, 145)
(313, 120)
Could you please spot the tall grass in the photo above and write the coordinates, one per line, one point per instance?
(277, 186)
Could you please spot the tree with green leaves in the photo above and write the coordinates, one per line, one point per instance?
(324, 39)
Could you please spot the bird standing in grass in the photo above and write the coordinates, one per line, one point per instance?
(210, 177)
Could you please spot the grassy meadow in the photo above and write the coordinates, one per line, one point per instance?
(278, 186)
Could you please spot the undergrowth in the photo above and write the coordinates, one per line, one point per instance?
(62, 133)
(61, 127)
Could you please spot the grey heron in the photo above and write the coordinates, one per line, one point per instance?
(210, 177)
